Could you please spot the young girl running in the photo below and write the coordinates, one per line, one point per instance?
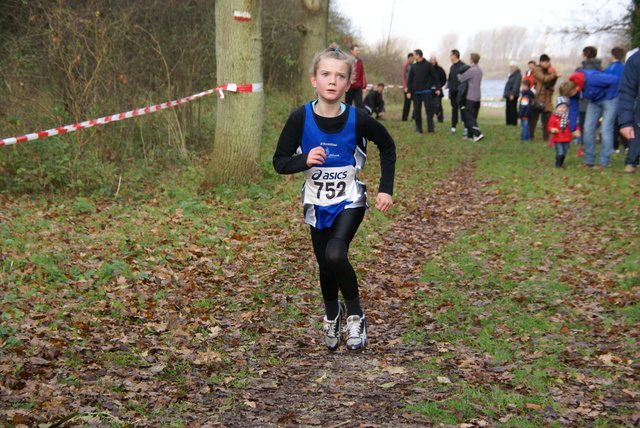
(326, 139)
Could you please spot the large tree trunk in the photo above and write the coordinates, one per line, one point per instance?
(236, 150)
(314, 39)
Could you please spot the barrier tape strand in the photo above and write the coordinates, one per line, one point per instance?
(232, 87)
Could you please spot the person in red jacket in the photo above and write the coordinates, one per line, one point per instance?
(354, 94)
(529, 75)
(560, 130)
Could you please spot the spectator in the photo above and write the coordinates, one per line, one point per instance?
(589, 62)
(374, 103)
(526, 109)
(543, 102)
(529, 75)
(421, 81)
(616, 68)
(510, 94)
(406, 68)
(560, 130)
(628, 113)
(472, 104)
(601, 90)
(441, 81)
(354, 94)
(453, 84)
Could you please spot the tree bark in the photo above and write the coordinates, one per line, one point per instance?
(239, 116)
(314, 39)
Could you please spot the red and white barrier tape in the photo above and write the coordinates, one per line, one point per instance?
(255, 87)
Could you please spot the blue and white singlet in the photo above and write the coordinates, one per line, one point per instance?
(332, 186)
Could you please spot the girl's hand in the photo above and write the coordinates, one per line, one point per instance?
(316, 156)
(554, 130)
(384, 202)
(576, 133)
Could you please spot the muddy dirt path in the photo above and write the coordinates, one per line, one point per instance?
(341, 389)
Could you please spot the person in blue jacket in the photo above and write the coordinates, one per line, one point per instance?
(629, 110)
(616, 67)
(601, 90)
(525, 110)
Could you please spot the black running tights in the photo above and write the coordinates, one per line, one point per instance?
(331, 246)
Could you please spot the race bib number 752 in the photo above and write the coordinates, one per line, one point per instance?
(330, 186)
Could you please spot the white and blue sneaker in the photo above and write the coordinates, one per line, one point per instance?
(357, 331)
(333, 330)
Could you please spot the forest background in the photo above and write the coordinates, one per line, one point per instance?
(62, 62)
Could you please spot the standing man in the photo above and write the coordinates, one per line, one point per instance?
(441, 81)
(629, 110)
(601, 90)
(589, 62)
(406, 68)
(454, 85)
(543, 104)
(354, 94)
(472, 105)
(512, 92)
(422, 79)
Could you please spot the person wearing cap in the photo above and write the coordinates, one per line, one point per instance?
(601, 90)
(560, 130)
(511, 92)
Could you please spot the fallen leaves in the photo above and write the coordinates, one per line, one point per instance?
(216, 323)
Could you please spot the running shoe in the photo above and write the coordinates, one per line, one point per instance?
(333, 330)
(357, 331)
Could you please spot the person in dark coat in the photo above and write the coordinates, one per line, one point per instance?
(525, 111)
(374, 103)
(441, 81)
(453, 84)
(511, 92)
(406, 68)
(629, 110)
(422, 79)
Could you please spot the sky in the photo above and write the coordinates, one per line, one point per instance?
(421, 23)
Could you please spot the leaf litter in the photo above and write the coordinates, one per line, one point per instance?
(212, 340)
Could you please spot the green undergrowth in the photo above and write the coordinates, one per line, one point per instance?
(536, 301)
(540, 296)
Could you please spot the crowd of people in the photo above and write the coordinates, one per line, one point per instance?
(588, 105)
(587, 109)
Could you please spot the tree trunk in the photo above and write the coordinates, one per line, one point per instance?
(239, 117)
(314, 39)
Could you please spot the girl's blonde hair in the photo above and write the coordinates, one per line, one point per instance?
(334, 52)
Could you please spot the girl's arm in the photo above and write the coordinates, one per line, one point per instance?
(285, 160)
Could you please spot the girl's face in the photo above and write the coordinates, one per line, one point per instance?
(562, 109)
(331, 79)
